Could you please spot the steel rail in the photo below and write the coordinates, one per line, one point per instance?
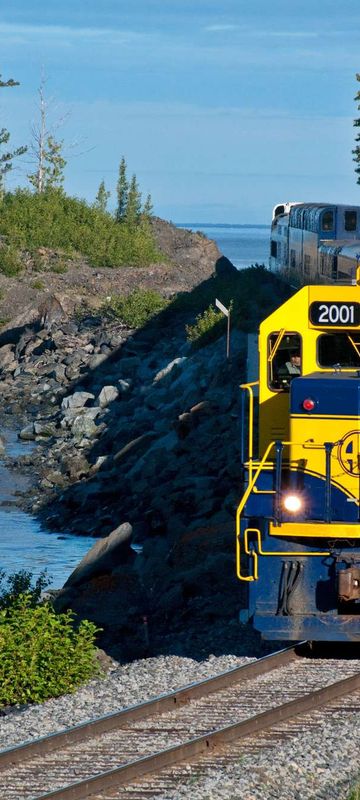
(159, 705)
(202, 745)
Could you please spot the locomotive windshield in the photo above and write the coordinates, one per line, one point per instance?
(341, 349)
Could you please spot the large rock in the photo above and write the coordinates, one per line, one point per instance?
(84, 425)
(135, 444)
(27, 434)
(176, 362)
(7, 357)
(78, 466)
(104, 556)
(70, 414)
(77, 400)
(44, 428)
(97, 359)
(47, 313)
(124, 386)
(107, 395)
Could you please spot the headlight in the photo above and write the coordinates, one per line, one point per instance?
(292, 503)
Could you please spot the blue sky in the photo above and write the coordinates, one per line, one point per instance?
(221, 108)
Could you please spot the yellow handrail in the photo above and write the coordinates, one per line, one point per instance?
(243, 501)
(261, 552)
(252, 481)
(249, 388)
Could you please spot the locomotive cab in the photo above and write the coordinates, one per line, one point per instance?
(298, 522)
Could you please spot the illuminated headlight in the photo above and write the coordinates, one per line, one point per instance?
(292, 503)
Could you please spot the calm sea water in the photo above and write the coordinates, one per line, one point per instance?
(242, 244)
(24, 544)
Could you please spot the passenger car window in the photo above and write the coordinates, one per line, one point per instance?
(327, 223)
(350, 220)
(284, 360)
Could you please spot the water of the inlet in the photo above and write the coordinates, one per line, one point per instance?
(24, 544)
(243, 245)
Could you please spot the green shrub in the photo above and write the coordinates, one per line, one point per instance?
(208, 327)
(60, 267)
(54, 220)
(38, 284)
(135, 309)
(42, 655)
(10, 261)
(19, 583)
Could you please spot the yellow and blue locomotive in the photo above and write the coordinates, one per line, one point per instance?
(298, 522)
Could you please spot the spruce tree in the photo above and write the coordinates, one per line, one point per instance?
(7, 157)
(54, 170)
(148, 208)
(133, 209)
(9, 82)
(122, 190)
(356, 152)
(50, 172)
(102, 197)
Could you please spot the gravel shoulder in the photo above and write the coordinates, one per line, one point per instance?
(320, 763)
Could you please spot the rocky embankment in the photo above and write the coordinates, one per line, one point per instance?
(139, 444)
(139, 434)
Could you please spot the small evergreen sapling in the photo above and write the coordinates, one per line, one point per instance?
(102, 197)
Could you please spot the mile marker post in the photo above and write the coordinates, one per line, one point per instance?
(225, 311)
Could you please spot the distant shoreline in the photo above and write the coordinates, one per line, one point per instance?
(216, 225)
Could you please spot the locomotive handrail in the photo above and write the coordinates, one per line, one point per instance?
(249, 388)
(243, 501)
(282, 553)
(262, 463)
(250, 488)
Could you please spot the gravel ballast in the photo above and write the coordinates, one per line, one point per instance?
(126, 685)
(322, 762)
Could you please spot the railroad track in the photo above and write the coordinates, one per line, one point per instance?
(123, 754)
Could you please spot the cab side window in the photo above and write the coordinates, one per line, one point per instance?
(339, 349)
(284, 360)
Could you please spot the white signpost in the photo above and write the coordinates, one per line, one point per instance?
(225, 311)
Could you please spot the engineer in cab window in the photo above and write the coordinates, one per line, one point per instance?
(294, 365)
(291, 368)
